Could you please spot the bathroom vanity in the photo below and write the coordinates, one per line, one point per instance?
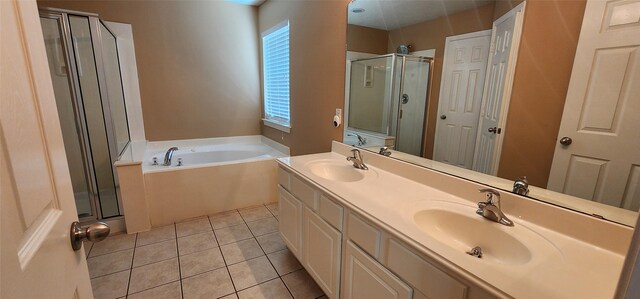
(401, 231)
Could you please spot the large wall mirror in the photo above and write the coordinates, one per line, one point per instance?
(539, 98)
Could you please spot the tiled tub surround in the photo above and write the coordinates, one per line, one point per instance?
(588, 255)
(234, 254)
(219, 174)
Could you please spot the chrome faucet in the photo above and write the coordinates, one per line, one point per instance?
(385, 151)
(168, 156)
(491, 210)
(357, 160)
(521, 186)
(361, 140)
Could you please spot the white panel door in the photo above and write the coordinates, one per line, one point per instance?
(602, 110)
(35, 186)
(505, 42)
(463, 73)
(322, 252)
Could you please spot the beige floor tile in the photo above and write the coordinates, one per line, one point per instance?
(192, 227)
(263, 226)
(284, 261)
(200, 262)
(233, 234)
(197, 242)
(273, 289)
(225, 219)
(271, 242)
(231, 296)
(154, 253)
(252, 272)
(241, 251)
(110, 263)
(301, 285)
(212, 284)
(113, 243)
(110, 286)
(255, 213)
(153, 275)
(273, 208)
(156, 235)
(167, 291)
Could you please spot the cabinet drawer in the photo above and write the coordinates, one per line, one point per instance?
(425, 277)
(364, 234)
(305, 193)
(365, 278)
(331, 212)
(284, 178)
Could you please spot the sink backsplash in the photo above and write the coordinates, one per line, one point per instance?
(601, 233)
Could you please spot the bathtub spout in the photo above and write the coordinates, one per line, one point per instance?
(168, 156)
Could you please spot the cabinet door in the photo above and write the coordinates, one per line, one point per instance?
(290, 222)
(365, 278)
(322, 249)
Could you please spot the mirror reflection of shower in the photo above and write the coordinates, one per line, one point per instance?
(85, 72)
(387, 100)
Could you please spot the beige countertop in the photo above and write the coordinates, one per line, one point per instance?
(560, 265)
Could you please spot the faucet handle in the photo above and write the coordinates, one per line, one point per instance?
(490, 195)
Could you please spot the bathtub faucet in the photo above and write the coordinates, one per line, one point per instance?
(168, 156)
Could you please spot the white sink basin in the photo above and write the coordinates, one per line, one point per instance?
(336, 171)
(459, 227)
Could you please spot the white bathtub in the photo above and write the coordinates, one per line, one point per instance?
(217, 174)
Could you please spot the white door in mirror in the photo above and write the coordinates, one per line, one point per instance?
(37, 198)
(602, 110)
(464, 68)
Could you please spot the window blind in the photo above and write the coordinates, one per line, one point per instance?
(275, 59)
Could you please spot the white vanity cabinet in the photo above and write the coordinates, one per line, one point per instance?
(352, 257)
(366, 278)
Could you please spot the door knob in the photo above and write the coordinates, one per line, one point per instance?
(95, 232)
(495, 130)
(565, 140)
(443, 116)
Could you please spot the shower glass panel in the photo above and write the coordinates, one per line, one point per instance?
(370, 94)
(69, 122)
(94, 114)
(114, 88)
(412, 99)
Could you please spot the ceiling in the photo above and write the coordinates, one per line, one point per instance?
(394, 14)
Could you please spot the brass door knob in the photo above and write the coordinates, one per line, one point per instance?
(95, 232)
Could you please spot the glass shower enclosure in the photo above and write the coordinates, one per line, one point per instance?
(85, 71)
(388, 95)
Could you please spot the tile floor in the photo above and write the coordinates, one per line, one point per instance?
(235, 254)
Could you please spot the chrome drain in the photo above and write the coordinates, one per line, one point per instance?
(475, 251)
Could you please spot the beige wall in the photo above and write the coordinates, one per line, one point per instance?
(367, 40)
(318, 32)
(197, 64)
(549, 40)
(432, 35)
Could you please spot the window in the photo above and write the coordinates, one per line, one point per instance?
(275, 64)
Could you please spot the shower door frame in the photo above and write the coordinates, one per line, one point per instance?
(70, 55)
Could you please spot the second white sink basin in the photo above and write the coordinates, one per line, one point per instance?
(458, 227)
(336, 171)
